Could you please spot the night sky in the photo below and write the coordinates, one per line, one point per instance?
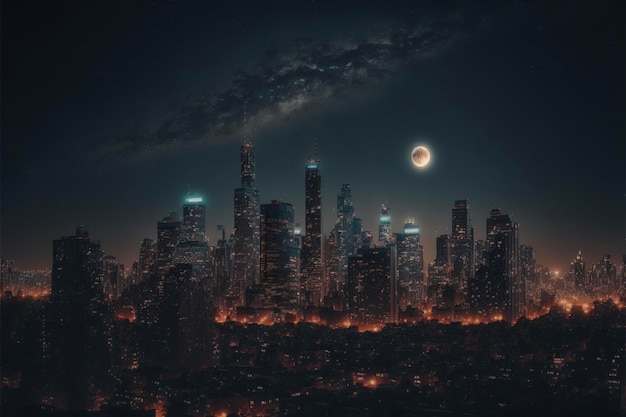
(112, 110)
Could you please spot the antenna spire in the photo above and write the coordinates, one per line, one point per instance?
(315, 145)
(245, 130)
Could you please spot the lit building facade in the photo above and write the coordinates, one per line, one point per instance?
(461, 246)
(312, 274)
(410, 266)
(194, 219)
(221, 266)
(246, 263)
(280, 258)
(579, 274)
(345, 234)
(168, 236)
(113, 277)
(147, 260)
(371, 286)
(384, 226)
(79, 321)
(497, 289)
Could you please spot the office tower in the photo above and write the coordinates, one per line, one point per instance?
(479, 253)
(113, 273)
(280, 256)
(331, 264)
(6, 275)
(312, 278)
(441, 292)
(185, 319)
(579, 274)
(147, 260)
(527, 269)
(357, 233)
(384, 226)
(604, 277)
(410, 266)
(222, 265)
(344, 239)
(79, 322)
(168, 237)
(194, 219)
(247, 232)
(193, 247)
(366, 239)
(461, 246)
(371, 286)
(443, 244)
(497, 289)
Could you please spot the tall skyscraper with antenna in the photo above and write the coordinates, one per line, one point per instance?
(312, 279)
(247, 228)
(384, 226)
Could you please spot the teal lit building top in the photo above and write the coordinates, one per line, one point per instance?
(313, 164)
(411, 229)
(194, 200)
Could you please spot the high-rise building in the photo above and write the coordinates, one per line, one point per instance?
(461, 246)
(527, 269)
(603, 278)
(221, 266)
(410, 266)
(147, 260)
(280, 256)
(497, 289)
(345, 239)
(371, 286)
(442, 256)
(168, 237)
(113, 279)
(6, 275)
(579, 274)
(312, 278)
(79, 321)
(384, 226)
(366, 239)
(247, 230)
(194, 219)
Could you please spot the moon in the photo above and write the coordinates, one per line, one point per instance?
(420, 156)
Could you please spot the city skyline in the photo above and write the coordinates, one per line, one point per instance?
(531, 123)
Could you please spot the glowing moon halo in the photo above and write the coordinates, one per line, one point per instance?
(420, 156)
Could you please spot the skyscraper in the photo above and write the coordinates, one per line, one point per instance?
(221, 272)
(280, 256)
(147, 260)
(527, 270)
(579, 274)
(371, 286)
(168, 236)
(113, 279)
(194, 219)
(6, 275)
(345, 240)
(312, 279)
(497, 289)
(410, 266)
(461, 246)
(80, 318)
(384, 226)
(247, 230)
